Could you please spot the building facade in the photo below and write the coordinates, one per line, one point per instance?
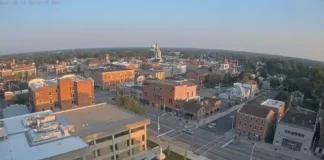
(197, 76)
(66, 92)
(110, 79)
(295, 130)
(164, 93)
(255, 122)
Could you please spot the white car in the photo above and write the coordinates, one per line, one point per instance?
(188, 131)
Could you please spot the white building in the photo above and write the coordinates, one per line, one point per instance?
(295, 130)
(239, 92)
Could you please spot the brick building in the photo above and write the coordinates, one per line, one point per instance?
(255, 122)
(164, 93)
(66, 92)
(197, 76)
(107, 78)
(155, 74)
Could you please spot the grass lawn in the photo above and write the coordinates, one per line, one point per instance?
(151, 144)
(173, 156)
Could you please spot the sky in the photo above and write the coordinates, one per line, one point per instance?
(284, 27)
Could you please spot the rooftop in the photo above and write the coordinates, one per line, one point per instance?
(273, 103)
(36, 136)
(15, 110)
(255, 110)
(299, 117)
(40, 82)
(170, 83)
(97, 118)
(201, 71)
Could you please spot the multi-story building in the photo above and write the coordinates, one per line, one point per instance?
(277, 106)
(255, 122)
(201, 108)
(155, 74)
(64, 93)
(197, 76)
(165, 93)
(24, 70)
(295, 130)
(97, 132)
(107, 78)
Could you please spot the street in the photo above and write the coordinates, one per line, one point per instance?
(202, 142)
(215, 143)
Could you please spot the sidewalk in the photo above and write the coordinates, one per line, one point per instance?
(177, 149)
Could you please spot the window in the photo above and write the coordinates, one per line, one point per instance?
(255, 126)
(103, 139)
(51, 101)
(50, 93)
(244, 123)
(127, 143)
(116, 147)
(121, 134)
(251, 119)
(143, 137)
(239, 122)
(111, 148)
(112, 158)
(261, 121)
(256, 120)
(117, 156)
(246, 117)
(260, 128)
(250, 125)
(132, 141)
(43, 109)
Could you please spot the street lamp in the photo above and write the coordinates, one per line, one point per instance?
(251, 157)
(232, 122)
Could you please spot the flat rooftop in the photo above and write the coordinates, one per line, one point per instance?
(20, 144)
(300, 117)
(273, 103)
(15, 110)
(169, 82)
(98, 118)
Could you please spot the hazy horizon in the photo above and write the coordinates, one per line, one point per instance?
(292, 28)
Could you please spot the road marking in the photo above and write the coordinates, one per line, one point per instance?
(174, 137)
(227, 143)
(165, 133)
(208, 143)
(162, 125)
(213, 146)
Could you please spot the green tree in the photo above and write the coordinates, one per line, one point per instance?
(212, 80)
(131, 104)
(274, 83)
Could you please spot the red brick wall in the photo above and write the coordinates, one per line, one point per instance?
(84, 93)
(65, 87)
(44, 98)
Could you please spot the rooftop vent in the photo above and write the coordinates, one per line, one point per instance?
(293, 119)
